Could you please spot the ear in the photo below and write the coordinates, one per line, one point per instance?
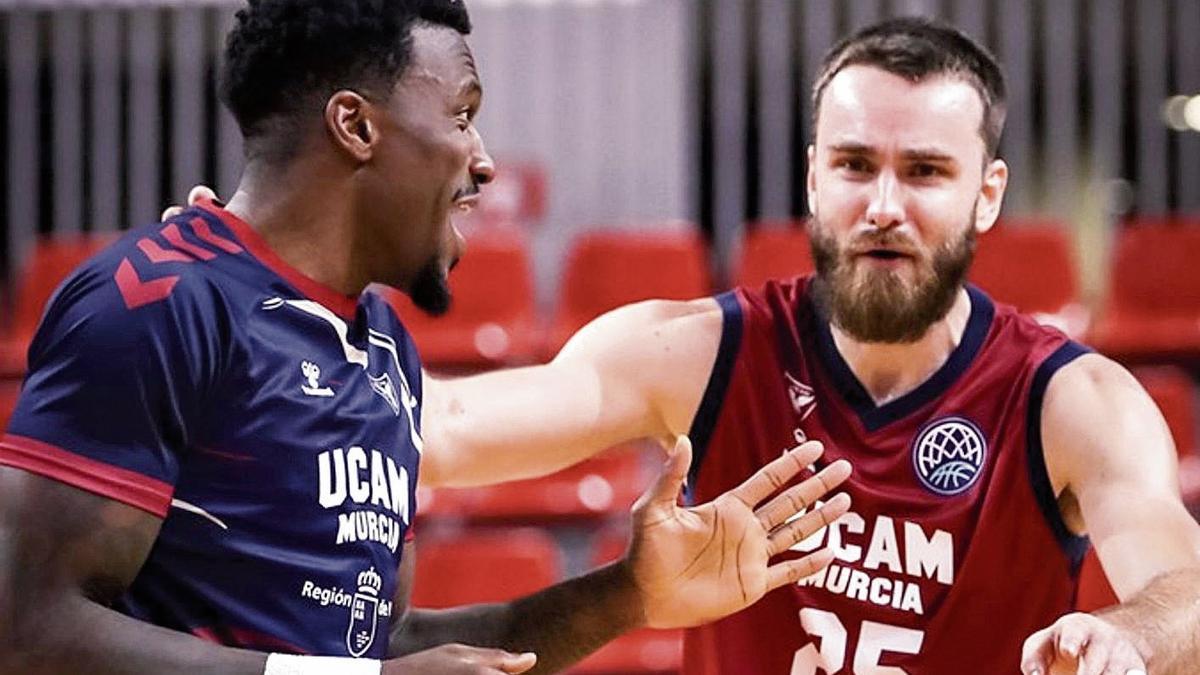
(810, 181)
(991, 195)
(349, 121)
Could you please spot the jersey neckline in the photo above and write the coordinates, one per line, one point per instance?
(343, 305)
(875, 417)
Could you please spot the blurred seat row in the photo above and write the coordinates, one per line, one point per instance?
(1152, 310)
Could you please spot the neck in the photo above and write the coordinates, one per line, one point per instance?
(888, 371)
(297, 212)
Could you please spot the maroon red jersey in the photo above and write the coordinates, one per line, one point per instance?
(954, 550)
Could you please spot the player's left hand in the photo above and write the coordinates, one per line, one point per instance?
(695, 565)
(1082, 644)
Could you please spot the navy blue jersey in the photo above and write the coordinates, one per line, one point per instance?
(272, 423)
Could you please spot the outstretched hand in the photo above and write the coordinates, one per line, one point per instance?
(1084, 644)
(695, 565)
(194, 195)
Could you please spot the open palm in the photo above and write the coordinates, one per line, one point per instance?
(695, 565)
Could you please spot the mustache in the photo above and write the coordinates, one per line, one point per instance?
(882, 239)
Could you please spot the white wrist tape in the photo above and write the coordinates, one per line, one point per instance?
(288, 664)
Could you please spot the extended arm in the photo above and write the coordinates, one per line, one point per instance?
(636, 372)
(684, 567)
(1111, 454)
(65, 557)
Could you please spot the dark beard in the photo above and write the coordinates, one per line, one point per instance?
(882, 307)
(430, 290)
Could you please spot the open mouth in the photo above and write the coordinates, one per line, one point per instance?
(884, 254)
(466, 204)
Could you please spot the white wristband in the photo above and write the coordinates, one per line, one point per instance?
(288, 664)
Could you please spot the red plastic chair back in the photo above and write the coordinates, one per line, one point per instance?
(1156, 270)
(773, 251)
(493, 318)
(1028, 265)
(608, 269)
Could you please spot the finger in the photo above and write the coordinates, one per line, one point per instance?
(799, 497)
(791, 571)
(1038, 652)
(170, 212)
(503, 661)
(801, 528)
(1072, 638)
(767, 480)
(201, 192)
(518, 663)
(1094, 660)
(665, 490)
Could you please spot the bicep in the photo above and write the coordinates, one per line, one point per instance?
(1111, 446)
(63, 539)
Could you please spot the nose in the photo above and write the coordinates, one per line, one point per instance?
(886, 209)
(483, 168)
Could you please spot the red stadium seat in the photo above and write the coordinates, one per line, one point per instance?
(1153, 310)
(1031, 265)
(51, 260)
(609, 268)
(599, 487)
(773, 251)
(1175, 395)
(484, 566)
(642, 651)
(493, 320)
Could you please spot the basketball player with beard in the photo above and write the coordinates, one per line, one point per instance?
(987, 449)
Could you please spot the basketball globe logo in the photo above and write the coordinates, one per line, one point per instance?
(948, 455)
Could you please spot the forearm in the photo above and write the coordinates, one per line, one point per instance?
(492, 428)
(1164, 618)
(561, 624)
(73, 635)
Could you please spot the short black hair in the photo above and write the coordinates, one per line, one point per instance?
(285, 58)
(916, 48)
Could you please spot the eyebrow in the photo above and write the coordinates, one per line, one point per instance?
(470, 86)
(919, 154)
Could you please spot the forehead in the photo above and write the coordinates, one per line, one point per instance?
(440, 57)
(870, 106)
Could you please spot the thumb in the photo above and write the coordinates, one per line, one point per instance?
(673, 476)
(517, 663)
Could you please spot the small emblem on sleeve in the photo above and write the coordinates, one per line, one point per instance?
(948, 455)
(312, 377)
(383, 386)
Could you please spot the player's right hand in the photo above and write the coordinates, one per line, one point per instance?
(194, 195)
(456, 659)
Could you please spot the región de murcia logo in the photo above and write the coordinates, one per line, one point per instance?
(364, 613)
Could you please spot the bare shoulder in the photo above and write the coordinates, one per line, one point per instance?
(1098, 421)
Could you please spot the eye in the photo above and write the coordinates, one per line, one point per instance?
(926, 170)
(854, 164)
